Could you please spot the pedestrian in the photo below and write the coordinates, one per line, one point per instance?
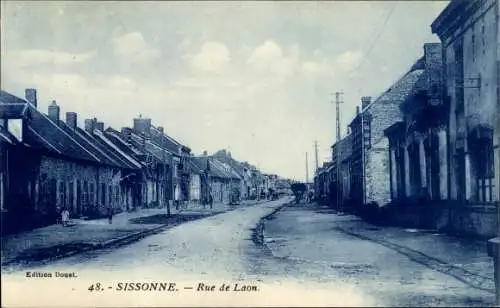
(110, 215)
(65, 217)
(211, 200)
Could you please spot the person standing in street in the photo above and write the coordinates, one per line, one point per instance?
(110, 215)
(65, 217)
(211, 201)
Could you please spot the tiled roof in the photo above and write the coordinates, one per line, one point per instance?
(410, 84)
(238, 167)
(150, 147)
(57, 137)
(43, 132)
(127, 147)
(83, 139)
(164, 141)
(195, 168)
(200, 162)
(118, 155)
(224, 171)
(12, 106)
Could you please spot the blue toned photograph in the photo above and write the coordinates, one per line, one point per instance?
(250, 153)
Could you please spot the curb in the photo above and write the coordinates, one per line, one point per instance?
(123, 240)
(474, 280)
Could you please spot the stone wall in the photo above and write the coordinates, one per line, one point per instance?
(72, 177)
(383, 114)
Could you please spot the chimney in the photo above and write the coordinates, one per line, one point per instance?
(71, 118)
(357, 110)
(205, 153)
(142, 126)
(126, 132)
(229, 154)
(99, 126)
(90, 125)
(160, 129)
(30, 96)
(54, 112)
(365, 101)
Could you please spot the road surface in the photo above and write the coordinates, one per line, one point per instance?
(309, 263)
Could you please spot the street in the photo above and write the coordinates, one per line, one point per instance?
(302, 253)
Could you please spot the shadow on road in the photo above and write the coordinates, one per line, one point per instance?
(164, 219)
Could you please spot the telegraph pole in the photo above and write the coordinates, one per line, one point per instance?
(338, 101)
(307, 170)
(316, 153)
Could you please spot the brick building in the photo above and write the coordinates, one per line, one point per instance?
(246, 185)
(417, 144)
(52, 164)
(469, 32)
(370, 178)
(335, 179)
(360, 131)
(218, 180)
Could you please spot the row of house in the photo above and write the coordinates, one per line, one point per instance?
(48, 163)
(426, 151)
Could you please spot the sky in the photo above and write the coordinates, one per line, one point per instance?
(255, 78)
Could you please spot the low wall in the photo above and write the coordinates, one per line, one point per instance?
(450, 217)
(474, 220)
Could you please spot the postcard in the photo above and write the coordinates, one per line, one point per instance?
(250, 153)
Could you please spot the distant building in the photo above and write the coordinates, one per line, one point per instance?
(218, 180)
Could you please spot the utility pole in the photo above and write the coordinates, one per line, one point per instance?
(307, 170)
(338, 101)
(316, 153)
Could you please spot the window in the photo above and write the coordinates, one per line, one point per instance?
(473, 44)
(459, 76)
(71, 194)
(103, 194)
(110, 195)
(117, 195)
(482, 164)
(92, 193)
(85, 193)
(367, 133)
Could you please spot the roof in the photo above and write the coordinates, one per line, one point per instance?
(115, 152)
(448, 18)
(56, 137)
(224, 170)
(408, 85)
(103, 151)
(12, 106)
(200, 162)
(236, 165)
(163, 140)
(125, 146)
(195, 168)
(150, 147)
(216, 168)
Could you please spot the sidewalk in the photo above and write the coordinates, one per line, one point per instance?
(55, 241)
(463, 258)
